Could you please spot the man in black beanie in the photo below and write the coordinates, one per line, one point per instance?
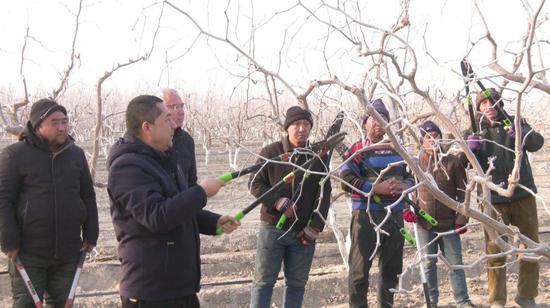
(296, 113)
(294, 243)
(42, 109)
(48, 210)
(450, 177)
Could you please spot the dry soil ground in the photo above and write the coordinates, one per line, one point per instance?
(227, 261)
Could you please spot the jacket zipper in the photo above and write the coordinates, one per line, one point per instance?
(52, 173)
(52, 157)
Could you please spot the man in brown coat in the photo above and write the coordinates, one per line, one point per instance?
(450, 177)
(294, 243)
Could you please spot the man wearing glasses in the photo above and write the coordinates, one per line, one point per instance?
(182, 142)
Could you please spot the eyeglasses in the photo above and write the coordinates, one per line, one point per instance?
(176, 107)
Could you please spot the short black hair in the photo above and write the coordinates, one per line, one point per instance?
(143, 108)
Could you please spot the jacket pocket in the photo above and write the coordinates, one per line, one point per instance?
(181, 265)
(35, 219)
(168, 256)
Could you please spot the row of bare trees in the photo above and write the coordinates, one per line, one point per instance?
(380, 61)
(389, 67)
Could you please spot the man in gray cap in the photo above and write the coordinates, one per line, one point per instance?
(294, 243)
(494, 149)
(48, 210)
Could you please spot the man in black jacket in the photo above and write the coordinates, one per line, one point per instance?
(183, 143)
(521, 208)
(156, 215)
(300, 202)
(48, 210)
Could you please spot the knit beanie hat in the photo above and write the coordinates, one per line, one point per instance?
(379, 106)
(296, 113)
(429, 126)
(494, 94)
(43, 108)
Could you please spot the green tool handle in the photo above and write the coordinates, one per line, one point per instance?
(507, 123)
(422, 213)
(281, 221)
(238, 217)
(226, 177)
(428, 217)
(407, 236)
(283, 217)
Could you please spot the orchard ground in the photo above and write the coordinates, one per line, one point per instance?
(228, 260)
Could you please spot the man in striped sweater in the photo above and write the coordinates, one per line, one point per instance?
(370, 157)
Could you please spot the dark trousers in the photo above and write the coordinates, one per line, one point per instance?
(390, 256)
(52, 279)
(191, 301)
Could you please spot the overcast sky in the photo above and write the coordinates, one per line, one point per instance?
(112, 32)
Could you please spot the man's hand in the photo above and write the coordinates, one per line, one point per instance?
(398, 187)
(87, 247)
(474, 142)
(284, 205)
(211, 186)
(390, 187)
(12, 254)
(228, 224)
(308, 235)
(384, 188)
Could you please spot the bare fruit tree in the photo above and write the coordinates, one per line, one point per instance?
(11, 116)
(388, 66)
(328, 57)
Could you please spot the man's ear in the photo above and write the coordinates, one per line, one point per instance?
(146, 127)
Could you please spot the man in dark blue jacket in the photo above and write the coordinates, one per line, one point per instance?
(157, 217)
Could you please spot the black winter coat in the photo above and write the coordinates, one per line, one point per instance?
(157, 221)
(47, 200)
(185, 146)
(308, 201)
(504, 157)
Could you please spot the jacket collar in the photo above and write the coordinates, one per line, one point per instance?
(486, 123)
(287, 147)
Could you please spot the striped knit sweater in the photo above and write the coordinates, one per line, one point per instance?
(361, 171)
